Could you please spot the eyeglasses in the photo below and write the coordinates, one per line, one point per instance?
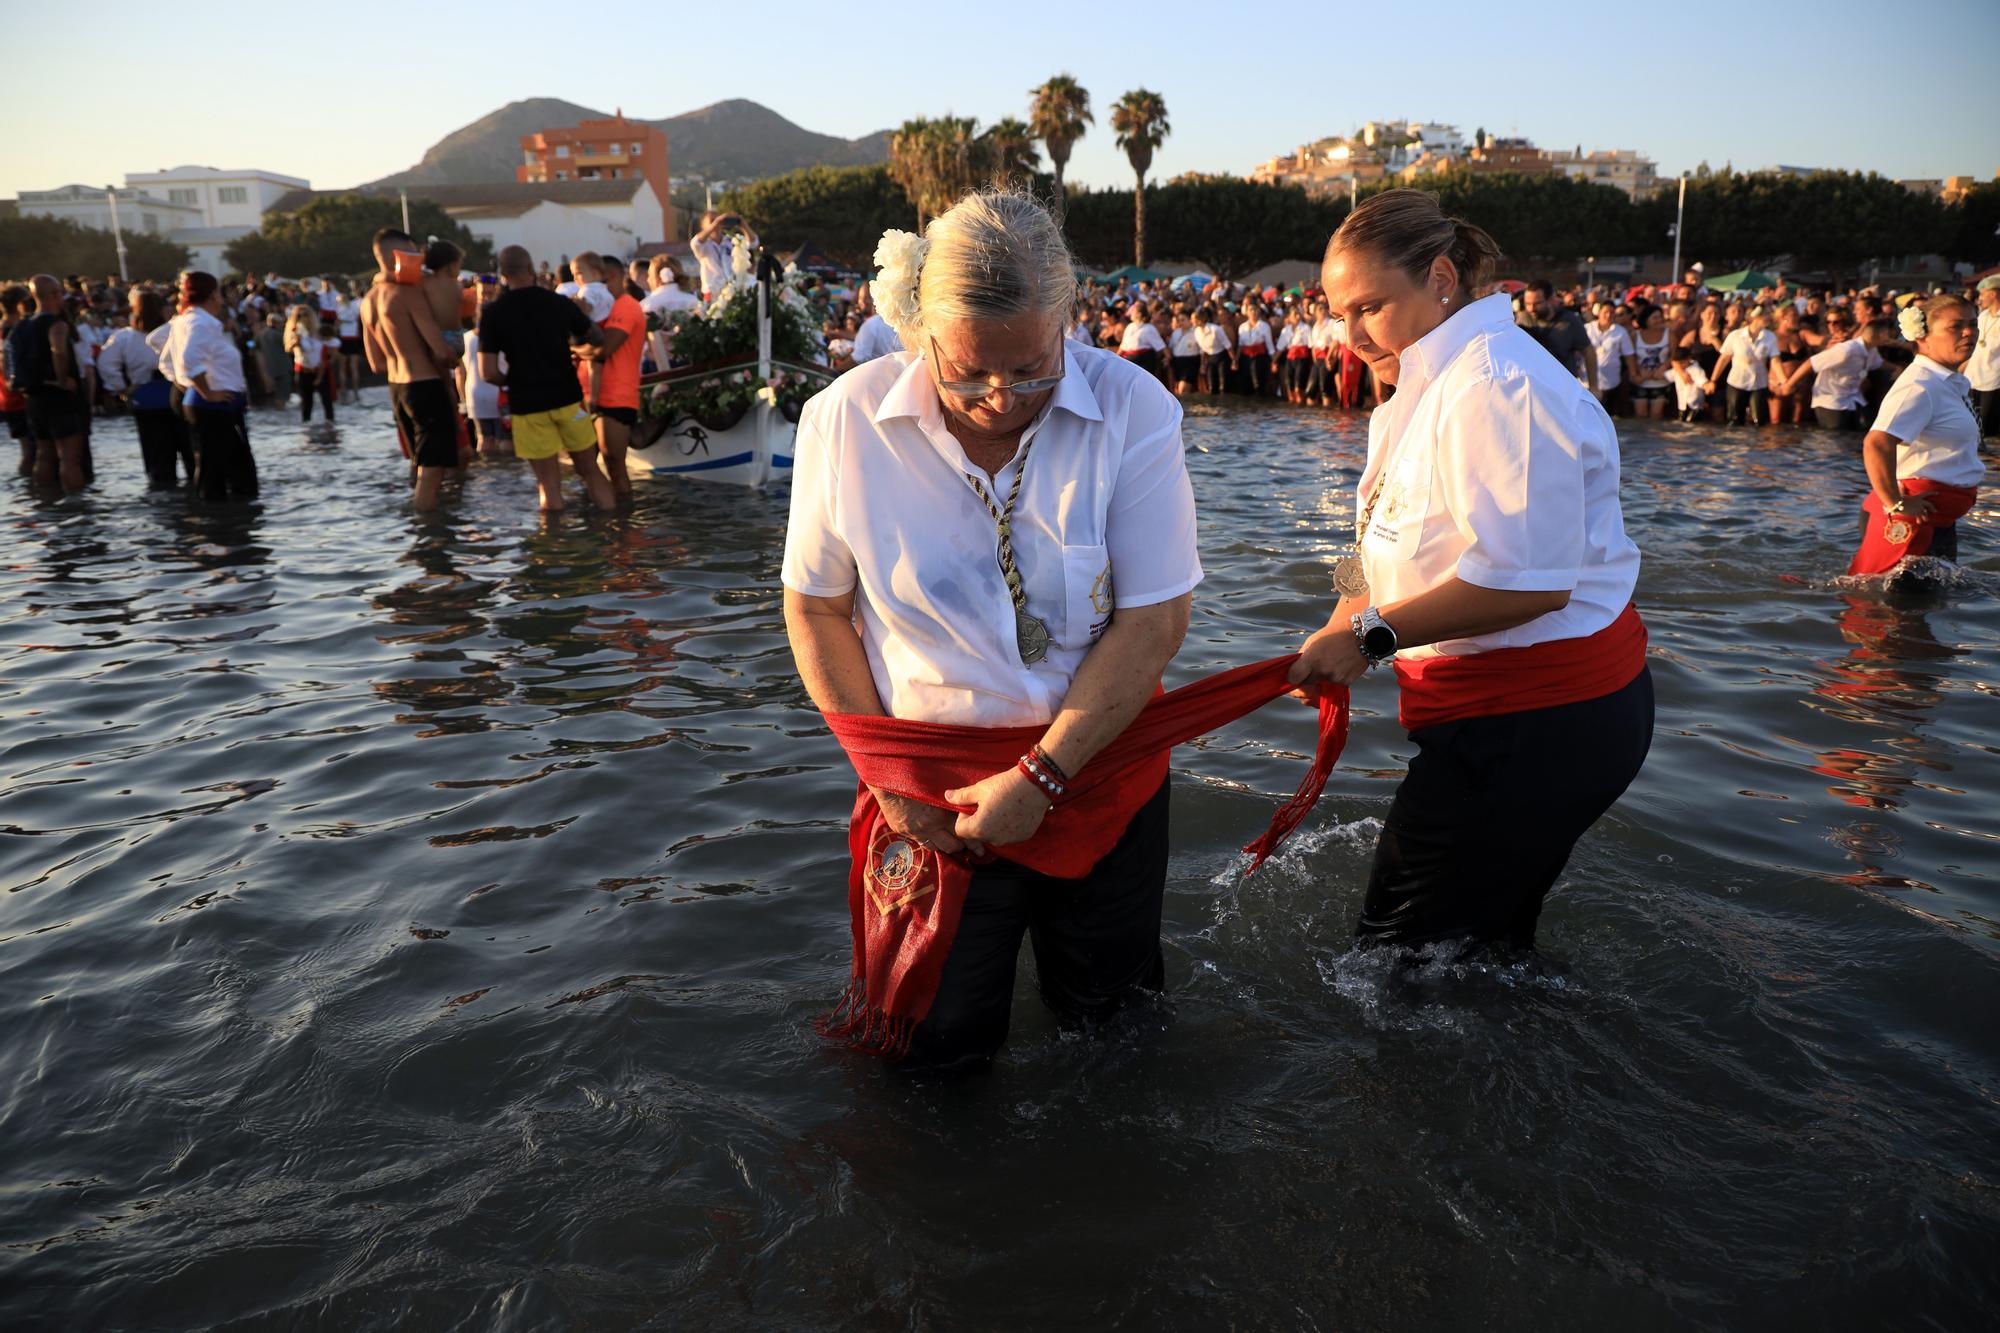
(971, 390)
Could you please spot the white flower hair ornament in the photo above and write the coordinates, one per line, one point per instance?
(1911, 321)
(899, 263)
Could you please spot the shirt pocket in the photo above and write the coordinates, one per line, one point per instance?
(1397, 525)
(1087, 594)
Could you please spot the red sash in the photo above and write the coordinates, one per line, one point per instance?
(1514, 680)
(904, 899)
(1297, 353)
(1890, 539)
(1137, 354)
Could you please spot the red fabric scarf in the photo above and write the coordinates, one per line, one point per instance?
(904, 899)
(1513, 680)
(1891, 539)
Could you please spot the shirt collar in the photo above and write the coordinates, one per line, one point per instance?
(1430, 354)
(1928, 366)
(914, 395)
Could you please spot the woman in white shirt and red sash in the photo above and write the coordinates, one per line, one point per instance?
(1922, 455)
(989, 563)
(1494, 571)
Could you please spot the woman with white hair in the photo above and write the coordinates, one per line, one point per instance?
(994, 529)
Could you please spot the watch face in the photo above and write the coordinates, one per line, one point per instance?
(1380, 641)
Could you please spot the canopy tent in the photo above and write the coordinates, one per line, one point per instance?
(1196, 280)
(1747, 280)
(1132, 273)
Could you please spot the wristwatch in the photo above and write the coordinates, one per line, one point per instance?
(1377, 640)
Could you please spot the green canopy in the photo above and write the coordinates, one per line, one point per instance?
(1132, 273)
(1749, 280)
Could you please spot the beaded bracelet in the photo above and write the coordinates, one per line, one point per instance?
(1048, 762)
(1050, 788)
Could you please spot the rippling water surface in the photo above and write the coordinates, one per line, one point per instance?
(416, 922)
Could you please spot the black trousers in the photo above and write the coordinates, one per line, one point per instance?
(1838, 418)
(163, 438)
(223, 466)
(1096, 941)
(1491, 808)
(1986, 406)
(1740, 405)
(313, 382)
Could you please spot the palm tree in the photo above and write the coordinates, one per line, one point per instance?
(1010, 151)
(958, 161)
(910, 162)
(1139, 122)
(1056, 116)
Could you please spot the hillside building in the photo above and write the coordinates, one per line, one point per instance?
(202, 208)
(612, 148)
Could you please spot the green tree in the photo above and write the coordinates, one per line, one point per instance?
(1541, 215)
(1973, 225)
(58, 246)
(842, 210)
(1139, 122)
(1056, 116)
(332, 234)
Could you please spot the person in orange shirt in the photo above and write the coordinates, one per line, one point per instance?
(610, 375)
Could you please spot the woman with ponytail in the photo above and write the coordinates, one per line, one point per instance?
(1492, 568)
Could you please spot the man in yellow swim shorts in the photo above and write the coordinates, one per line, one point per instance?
(535, 329)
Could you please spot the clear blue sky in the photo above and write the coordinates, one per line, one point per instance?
(323, 91)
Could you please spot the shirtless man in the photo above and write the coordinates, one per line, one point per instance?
(402, 340)
(442, 263)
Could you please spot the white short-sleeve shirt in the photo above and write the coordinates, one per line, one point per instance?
(1186, 341)
(1750, 358)
(1252, 338)
(1611, 347)
(1213, 338)
(1983, 370)
(1141, 336)
(1498, 468)
(883, 506)
(1838, 373)
(1929, 410)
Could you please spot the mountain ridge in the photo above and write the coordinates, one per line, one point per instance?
(732, 139)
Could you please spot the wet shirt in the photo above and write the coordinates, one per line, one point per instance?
(1566, 338)
(883, 506)
(532, 327)
(1498, 468)
(1838, 372)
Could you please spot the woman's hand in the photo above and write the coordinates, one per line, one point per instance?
(1007, 809)
(1332, 655)
(926, 824)
(1916, 507)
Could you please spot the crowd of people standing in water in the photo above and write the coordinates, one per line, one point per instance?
(986, 638)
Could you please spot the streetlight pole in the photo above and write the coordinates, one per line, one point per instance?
(1680, 208)
(404, 195)
(117, 235)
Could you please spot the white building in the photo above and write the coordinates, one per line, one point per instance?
(550, 219)
(223, 198)
(90, 206)
(1623, 167)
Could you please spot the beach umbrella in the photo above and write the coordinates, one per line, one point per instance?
(1747, 280)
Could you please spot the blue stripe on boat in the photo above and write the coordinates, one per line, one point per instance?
(707, 464)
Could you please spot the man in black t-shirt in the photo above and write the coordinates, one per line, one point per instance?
(535, 329)
(1559, 331)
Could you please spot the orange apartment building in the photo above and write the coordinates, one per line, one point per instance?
(613, 148)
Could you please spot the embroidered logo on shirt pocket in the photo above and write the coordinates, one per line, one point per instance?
(1087, 594)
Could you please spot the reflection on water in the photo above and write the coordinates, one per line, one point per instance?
(415, 921)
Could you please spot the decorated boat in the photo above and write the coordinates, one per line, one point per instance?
(728, 414)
